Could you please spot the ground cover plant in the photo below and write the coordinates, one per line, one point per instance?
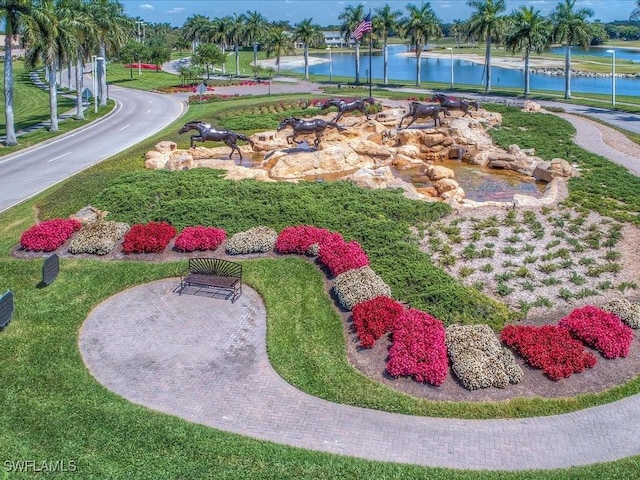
(199, 238)
(110, 435)
(47, 236)
(98, 238)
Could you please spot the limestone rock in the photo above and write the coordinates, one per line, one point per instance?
(530, 106)
(547, 171)
(445, 185)
(438, 172)
(305, 163)
(412, 151)
(518, 163)
(369, 148)
(155, 160)
(166, 146)
(402, 162)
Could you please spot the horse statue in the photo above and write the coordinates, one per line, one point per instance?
(307, 127)
(455, 104)
(343, 107)
(421, 110)
(207, 132)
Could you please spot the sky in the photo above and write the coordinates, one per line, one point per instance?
(325, 12)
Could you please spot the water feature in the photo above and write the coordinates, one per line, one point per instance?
(439, 70)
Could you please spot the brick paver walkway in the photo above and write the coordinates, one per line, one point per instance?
(205, 360)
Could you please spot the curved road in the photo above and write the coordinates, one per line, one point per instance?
(136, 116)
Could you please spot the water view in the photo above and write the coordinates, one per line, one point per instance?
(469, 73)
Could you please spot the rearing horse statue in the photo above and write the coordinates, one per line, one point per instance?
(455, 104)
(420, 110)
(314, 125)
(207, 132)
(352, 106)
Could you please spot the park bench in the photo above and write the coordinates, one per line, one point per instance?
(214, 273)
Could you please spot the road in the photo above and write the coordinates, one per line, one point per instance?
(137, 115)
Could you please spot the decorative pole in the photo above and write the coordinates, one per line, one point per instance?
(370, 42)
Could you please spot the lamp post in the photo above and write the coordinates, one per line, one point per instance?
(330, 66)
(451, 52)
(613, 76)
(139, 24)
(94, 77)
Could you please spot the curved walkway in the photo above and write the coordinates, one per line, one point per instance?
(176, 354)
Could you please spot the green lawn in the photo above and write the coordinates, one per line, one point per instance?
(52, 408)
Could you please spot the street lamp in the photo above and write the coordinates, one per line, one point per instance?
(94, 77)
(613, 76)
(140, 23)
(330, 66)
(451, 51)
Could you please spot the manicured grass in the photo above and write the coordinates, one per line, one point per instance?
(53, 408)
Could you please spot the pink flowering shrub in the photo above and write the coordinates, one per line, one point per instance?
(373, 318)
(49, 235)
(200, 238)
(599, 329)
(550, 348)
(339, 256)
(300, 238)
(152, 237)
(418, 348)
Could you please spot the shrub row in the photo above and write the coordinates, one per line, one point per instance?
(152, 237)
(254, 240)
(98, 238)
(49, 235)
(200, 238)
(373, 318)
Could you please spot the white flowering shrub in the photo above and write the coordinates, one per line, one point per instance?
(254, 240)
(98, 238)
(359, 285)
(478, 359)
(628, 312)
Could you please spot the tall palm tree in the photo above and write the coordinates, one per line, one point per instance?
(235, 26)
(486, 22)
(51, 40)
(458, 29)
(194, 28)
(385, 21)
(421, 24)
(570, 26)
(529, 32)
(255, 27)
(350, 18)
(14, 13)
(112, 28)
(220, 33)
(307, 33)
(280, 42)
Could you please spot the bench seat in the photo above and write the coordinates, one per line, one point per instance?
(216, 274)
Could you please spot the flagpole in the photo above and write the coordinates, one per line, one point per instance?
(370, 42)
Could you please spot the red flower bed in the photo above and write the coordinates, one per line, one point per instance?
(200, 238)
(550, 348)
(373, 318)
(152, 237)
(298, 239)
(49, 235)
(419, 348)
(147, 66)
(599, 329)
(339, 256)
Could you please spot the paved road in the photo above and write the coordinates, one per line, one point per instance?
(137, 115)
(178, 355)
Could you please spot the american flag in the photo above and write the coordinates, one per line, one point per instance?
(363, 27)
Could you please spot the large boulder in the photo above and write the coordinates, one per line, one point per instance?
(438, 172)
(518, 163)
(299, 163)
(547, 171)
(382, 177)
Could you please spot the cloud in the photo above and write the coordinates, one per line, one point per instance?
(175, 10)
(146, 6)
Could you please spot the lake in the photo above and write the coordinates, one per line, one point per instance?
(469, 73)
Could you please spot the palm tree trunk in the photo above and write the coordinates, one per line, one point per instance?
(306, 61)
(567, 72)
(102, 75)
(237, 50)
(224, 65)
(8, 87)
(79, 74)
(53, 97)
(255, 53)
(487, 62)
(526, 71)
(358, 62)
(418, 65)
(386, 62)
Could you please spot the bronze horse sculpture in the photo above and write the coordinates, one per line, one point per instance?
(314, 125)
(343, 107)
(455, 104)
(207, 132)
(421, 110)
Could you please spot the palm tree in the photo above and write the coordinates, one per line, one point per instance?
(635, 13)
(219, 32)
(255, 27)
(421, 24)
(235, 29)
(571, 27)
(350, 18)
(51, 40)
(458, 29)
(485, 22)
(112, 28)
(194, 28)
(529, 32)
(280, 42)
(386, 20)
(308, 34)
(14, 13)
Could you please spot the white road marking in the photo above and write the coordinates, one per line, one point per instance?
(126, 126)
(59, 156)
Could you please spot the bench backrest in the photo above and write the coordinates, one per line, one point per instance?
(215, 266)
(6, 308)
